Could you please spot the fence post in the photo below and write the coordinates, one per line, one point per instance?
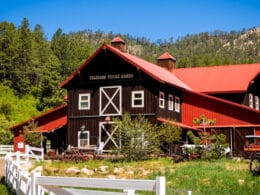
(42, 153)
(34, 186)
(27, 155)
(160, 185)
(18, 156)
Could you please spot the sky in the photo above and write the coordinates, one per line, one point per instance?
(152, 19)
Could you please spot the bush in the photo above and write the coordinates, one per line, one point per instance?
(138, 137)
(214, 149)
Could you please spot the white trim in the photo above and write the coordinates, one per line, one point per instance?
(134, 98)
(88, 136)
(170, 102)
(84, 101)
(177, 104)
(110, 101)
(161, 99)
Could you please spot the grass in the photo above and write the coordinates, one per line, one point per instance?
(4, 190)
(219, 177)
(223, 176)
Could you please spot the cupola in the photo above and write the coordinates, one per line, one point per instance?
(166, 61)
(119, 43)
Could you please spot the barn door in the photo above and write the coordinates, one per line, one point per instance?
(107, 132)
(110, 101)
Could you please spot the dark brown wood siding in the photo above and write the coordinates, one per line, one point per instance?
(108, 70)
(165, 112)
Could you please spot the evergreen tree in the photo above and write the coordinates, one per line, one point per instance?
(7, 50)
(23, 61)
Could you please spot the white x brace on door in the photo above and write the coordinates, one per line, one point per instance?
(110, 101)
(106, 132)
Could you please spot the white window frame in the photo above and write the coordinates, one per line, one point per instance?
(257, 102)
(170, 102)
(161, 99)
(251, 100)
(177, 104)
(84, 101)
(134, 98)
(87, 140)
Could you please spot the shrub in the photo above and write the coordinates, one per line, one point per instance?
(138, 137)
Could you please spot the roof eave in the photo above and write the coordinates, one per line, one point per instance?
(37, 117)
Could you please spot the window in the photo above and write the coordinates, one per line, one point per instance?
(137, 99)
(83, 139)
(170, 102)
(177, 104)
(84, 101)
(256, 102)
(161, 99)
(251, 101)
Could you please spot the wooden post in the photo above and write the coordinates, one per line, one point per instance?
(160, 185)
(34, 186)
(18, 156)
(42, 153)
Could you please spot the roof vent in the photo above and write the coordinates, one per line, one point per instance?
(166, 61)
(119, 43)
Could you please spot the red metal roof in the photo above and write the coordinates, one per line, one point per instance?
(153, 70)
(218, 79)
(195, 104)
(166, 56)
(54, 124)
(163, 120)
(48, 121)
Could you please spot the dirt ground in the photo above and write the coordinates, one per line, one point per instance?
(2, 167)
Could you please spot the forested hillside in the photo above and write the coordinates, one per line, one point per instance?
(31, 66)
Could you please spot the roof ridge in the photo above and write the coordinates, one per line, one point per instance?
(219, 66)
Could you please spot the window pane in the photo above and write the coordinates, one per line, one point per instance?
(138, 102)
(84, 104)
(138, 95)
(84, 97)
(83, 135)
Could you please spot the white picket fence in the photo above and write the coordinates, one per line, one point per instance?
(30, 152)
(34, 183)
(4, 149)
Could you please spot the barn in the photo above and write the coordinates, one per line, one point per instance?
(111, 82)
